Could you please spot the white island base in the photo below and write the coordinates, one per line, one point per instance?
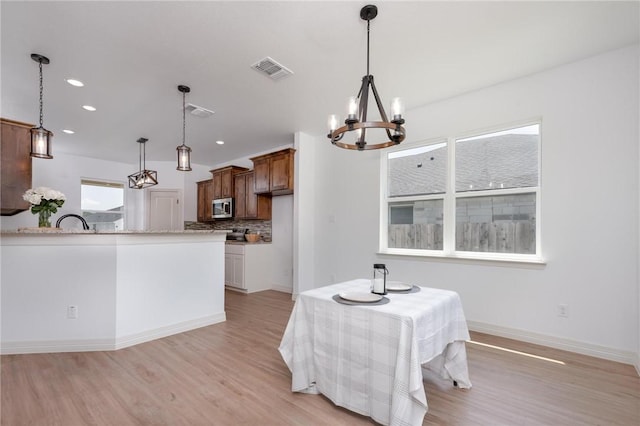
(123, 289)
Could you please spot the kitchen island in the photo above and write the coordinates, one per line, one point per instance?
(81, 291)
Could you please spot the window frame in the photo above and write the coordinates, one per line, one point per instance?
(106, 183)
(451, 196)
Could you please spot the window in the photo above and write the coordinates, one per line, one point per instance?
(475, 196)
(102, 204)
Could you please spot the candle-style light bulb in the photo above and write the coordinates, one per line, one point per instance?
(397, 108)
(352, 108)
(332, 123)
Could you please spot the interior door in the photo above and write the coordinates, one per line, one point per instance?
(165, 212)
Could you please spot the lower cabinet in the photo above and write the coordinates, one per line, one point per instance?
(247, 267)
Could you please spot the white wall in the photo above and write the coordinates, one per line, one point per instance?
(589, 111)
(282, 244)
(64, 173)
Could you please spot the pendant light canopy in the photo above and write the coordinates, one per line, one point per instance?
(184, 152)
(144, 178)
(41, 137)
(356, 120)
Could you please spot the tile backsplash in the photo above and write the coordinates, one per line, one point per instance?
(263, 226)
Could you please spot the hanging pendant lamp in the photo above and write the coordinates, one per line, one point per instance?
(40, 137)
(356, 120)
(184, 152)
(144, 178)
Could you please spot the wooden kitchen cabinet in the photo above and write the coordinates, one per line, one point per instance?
(248, 204)
(240, 188)
(15, 166)
(274, 172)
(205, 198)
(261, 175)
(223, 182)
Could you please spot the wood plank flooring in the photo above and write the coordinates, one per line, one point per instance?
(232, 374)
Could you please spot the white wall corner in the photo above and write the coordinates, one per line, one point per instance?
(304, 213)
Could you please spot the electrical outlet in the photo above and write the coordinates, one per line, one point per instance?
(563, 310)
(72, 312)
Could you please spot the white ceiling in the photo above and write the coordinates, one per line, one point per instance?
(133, 55)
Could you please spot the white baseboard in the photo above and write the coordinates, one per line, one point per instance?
(89, 345)
(625, 357)
(51, 346)
(158, 333)
(282, 289)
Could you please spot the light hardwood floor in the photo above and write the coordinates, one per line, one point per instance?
(232, 374)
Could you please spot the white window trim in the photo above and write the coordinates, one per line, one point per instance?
(449, 201)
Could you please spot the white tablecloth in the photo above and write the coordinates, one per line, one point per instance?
(369, 359)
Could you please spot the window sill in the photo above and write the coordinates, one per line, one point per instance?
(497, 259)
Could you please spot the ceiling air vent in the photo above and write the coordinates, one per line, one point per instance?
(198, 111)
(271, 68)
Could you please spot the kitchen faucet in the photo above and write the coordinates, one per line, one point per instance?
(85, 226)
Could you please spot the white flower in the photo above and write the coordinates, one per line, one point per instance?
(36, 195)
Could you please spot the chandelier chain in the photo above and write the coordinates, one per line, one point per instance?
(184, 119)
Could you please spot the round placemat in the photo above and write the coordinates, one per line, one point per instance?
(342, 301)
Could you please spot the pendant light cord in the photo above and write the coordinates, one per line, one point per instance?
(40, 64)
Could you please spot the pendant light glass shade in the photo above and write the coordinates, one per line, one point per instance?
(40, 137)
(184, 152)
(184, 158)
(41, 143)
(144, 178)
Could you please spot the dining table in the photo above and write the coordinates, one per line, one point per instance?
(371, 358)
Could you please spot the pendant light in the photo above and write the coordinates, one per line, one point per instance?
(356, 120)
(144, 178)
(40, 137)
(184, 152)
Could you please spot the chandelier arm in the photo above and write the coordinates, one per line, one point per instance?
(381, 110)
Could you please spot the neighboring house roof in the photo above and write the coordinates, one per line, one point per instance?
(505, 161)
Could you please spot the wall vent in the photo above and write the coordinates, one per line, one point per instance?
(271, 68)
(198, 111)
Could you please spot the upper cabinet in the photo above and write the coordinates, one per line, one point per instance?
(223, 184)
(248, 204)
(205, 198)
(274, 172)
(15, 166)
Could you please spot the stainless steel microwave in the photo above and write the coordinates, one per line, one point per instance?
(222, 208)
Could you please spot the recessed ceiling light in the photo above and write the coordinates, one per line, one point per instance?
(88, 107)
(69, 132)
(73, 82)
(220, 142)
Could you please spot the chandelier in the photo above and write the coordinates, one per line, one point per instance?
(356, 120)
(40, 137)
(144, 177)
(184, 152)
